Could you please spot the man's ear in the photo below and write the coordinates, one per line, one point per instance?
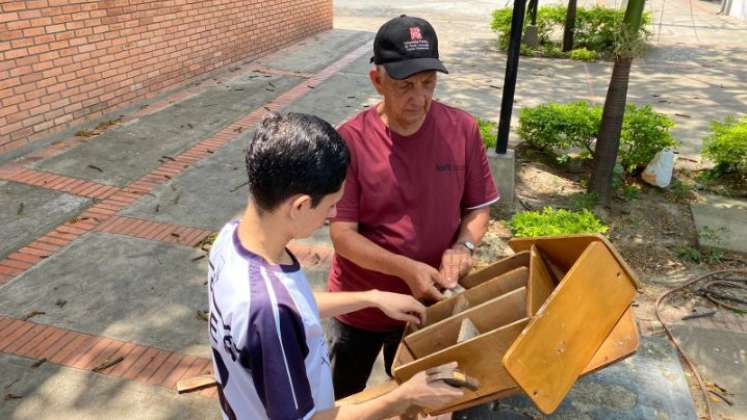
(376, 79)
(298, 204)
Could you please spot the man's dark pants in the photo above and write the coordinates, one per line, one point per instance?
(353, 351)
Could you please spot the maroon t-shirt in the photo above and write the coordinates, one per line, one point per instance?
(407, 194)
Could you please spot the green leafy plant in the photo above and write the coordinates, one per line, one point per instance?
(688, 253)
(727, 146)
(708, 254)
(550, 222)
(585, 201)
(679, 191)
(631, 192)
(644, 134)
(557, 128)
(596, 30)
(501, 23)
(488, 132)
(694, 255)
(583, 54)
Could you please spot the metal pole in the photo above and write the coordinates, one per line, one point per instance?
(509, 85)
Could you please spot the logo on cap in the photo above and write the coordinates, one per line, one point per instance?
(415, 34)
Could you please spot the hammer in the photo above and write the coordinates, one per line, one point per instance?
(451, 376)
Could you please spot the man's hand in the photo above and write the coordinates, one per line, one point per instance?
(423, 281)
(455, 264)
(399, 306)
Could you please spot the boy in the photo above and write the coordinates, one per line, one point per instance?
(269, 352)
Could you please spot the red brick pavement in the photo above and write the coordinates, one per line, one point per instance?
(83, 351)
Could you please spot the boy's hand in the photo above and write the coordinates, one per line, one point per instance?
(455, 264)
(429, 395)
(399, 306)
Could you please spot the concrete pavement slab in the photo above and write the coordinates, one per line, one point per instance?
(721, 222)
(207, 195)
(124, 154)
(29, 212)
(338, 98)
(54, 392)
(647, 385)
(316, 52)
(119, 287)
(721, 358)
(213, 191)
(362, 65)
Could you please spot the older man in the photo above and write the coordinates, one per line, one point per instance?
(416, 198)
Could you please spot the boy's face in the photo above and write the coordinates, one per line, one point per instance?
(307, 219)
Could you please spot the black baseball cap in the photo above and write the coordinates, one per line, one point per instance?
(405, 46)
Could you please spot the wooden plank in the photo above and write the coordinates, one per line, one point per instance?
(505, 265)
(566, 249)
(556, 273)
(491, 375)
(622, 342)
(403, 354)
(481, 293)
(547, 359)
(488, 316)
(540, 283)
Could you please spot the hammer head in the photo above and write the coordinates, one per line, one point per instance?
(452, 376)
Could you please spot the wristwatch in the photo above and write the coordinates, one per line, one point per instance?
(469, 245)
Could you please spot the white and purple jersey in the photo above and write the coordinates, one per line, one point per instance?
(269, 353)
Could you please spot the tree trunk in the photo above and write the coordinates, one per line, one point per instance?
(570, 26)
(533, 6)
(608, 141)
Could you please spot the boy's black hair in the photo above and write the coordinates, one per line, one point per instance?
(294, 154)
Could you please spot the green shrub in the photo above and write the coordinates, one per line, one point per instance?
(557, 128)
(585, 200)
(631, 192)
(501, 24)
(727, 145)
(597, 28)
(582, 54)
(553, 50)
(644, 133)
(679, 191)
(549, 222)
(488, 132)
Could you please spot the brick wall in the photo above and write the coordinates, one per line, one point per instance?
(63, 62)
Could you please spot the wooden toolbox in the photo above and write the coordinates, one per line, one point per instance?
(557, 309)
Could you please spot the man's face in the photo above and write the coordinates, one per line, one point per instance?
(407, 100)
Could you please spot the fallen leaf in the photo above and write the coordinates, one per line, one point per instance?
(32, 314)
(202, 315)
(107, 364)
(39, 363)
